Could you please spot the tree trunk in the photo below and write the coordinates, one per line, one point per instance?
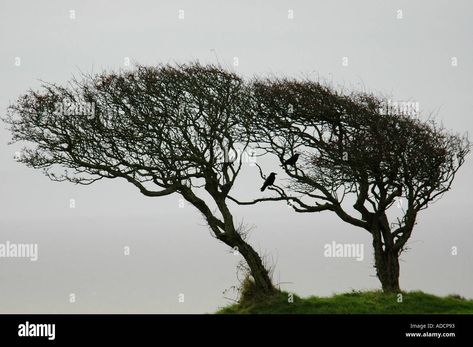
(226, 232)
(258, 271)
(387, 266)
(263, 284)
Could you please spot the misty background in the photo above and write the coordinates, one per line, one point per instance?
(403, 49)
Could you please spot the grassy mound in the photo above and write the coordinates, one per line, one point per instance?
(355, 303)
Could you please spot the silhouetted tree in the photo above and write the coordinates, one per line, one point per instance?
(165, 129)
(357, 159)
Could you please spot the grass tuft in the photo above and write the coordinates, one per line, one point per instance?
(355, 302)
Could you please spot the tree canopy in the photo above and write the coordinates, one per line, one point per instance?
(172, 129)
(354, 153)
(165, 129)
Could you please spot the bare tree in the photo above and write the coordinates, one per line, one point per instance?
(165, 129)
(357, 159)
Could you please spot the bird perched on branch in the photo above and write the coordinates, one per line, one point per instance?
(292, 160)
(269, 181)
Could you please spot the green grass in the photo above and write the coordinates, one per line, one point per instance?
(356, 303)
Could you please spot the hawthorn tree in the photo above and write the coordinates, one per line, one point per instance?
(358, 159)
(165, 129)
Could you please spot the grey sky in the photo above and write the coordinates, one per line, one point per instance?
(171, 251)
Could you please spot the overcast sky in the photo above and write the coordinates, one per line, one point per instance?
(405, 49)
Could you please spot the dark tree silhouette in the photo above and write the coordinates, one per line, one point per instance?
(356, 161)
(165, 129)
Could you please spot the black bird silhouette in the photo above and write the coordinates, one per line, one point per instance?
(269, 181)
(292, 160)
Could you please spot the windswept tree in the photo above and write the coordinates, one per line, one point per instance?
(165, 129)
(357, 158)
